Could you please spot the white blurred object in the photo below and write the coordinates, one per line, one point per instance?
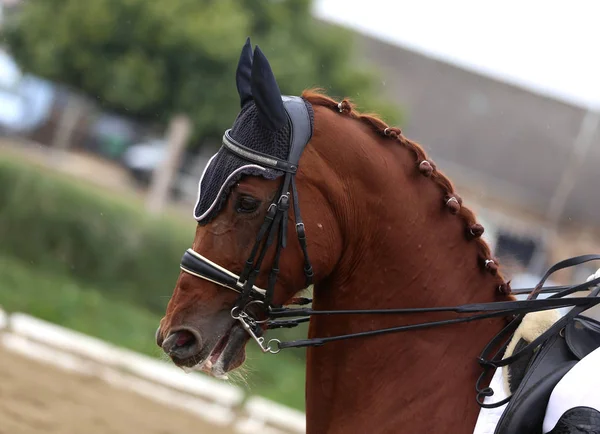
(594, 276)
(593, 312)
(10, 74)
(145, 156)
(264, 416)
(25, 100)
(3, 319)
(12, 104)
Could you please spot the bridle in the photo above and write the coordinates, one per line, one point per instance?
(275, 227)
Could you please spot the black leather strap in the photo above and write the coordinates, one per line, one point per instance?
(566, 263)
(256, 157)
(272, 211)
(546, 290)
(301, 233)
(274, 226)
(514, 307)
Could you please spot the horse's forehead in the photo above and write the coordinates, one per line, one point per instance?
(225, 169)
(258, 186)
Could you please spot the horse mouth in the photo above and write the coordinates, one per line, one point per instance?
(226, 355)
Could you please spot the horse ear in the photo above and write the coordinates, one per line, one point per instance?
(266, 93)
(243, 73)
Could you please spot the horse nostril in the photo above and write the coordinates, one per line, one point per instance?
(182, 343)
(158, 337)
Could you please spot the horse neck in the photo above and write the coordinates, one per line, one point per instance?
(402, 248)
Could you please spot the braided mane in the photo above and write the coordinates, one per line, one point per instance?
(451, 199)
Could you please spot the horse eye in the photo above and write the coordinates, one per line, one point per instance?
(247, 204)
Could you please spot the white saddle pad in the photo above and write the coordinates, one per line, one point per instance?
(489, 417)
(580, 387)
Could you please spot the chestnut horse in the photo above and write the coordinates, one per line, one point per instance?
(384, 228)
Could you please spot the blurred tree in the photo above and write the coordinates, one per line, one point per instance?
(152, 59)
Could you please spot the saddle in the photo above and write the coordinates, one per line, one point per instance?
(532, 379)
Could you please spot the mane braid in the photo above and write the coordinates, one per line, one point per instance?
(451, 199)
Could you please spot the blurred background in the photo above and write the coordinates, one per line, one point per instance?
(109, 111)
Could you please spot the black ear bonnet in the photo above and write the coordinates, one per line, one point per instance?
(265, 140)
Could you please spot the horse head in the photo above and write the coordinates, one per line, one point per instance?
(306, 190)
(240, 187)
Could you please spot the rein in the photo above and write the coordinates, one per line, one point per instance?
(494, 309)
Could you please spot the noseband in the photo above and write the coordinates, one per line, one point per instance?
(274, 226)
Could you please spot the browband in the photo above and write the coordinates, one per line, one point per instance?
(301, 133)
(256, 157)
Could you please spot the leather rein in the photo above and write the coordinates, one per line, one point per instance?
(274, 228)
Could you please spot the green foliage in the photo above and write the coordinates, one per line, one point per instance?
(83, 258)
(151, 59)
(56, 224)
(55, 297)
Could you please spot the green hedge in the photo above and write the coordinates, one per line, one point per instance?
(78, 256)
(53, 223)
(57, 298)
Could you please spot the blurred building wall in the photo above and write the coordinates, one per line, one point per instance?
(504, 147)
